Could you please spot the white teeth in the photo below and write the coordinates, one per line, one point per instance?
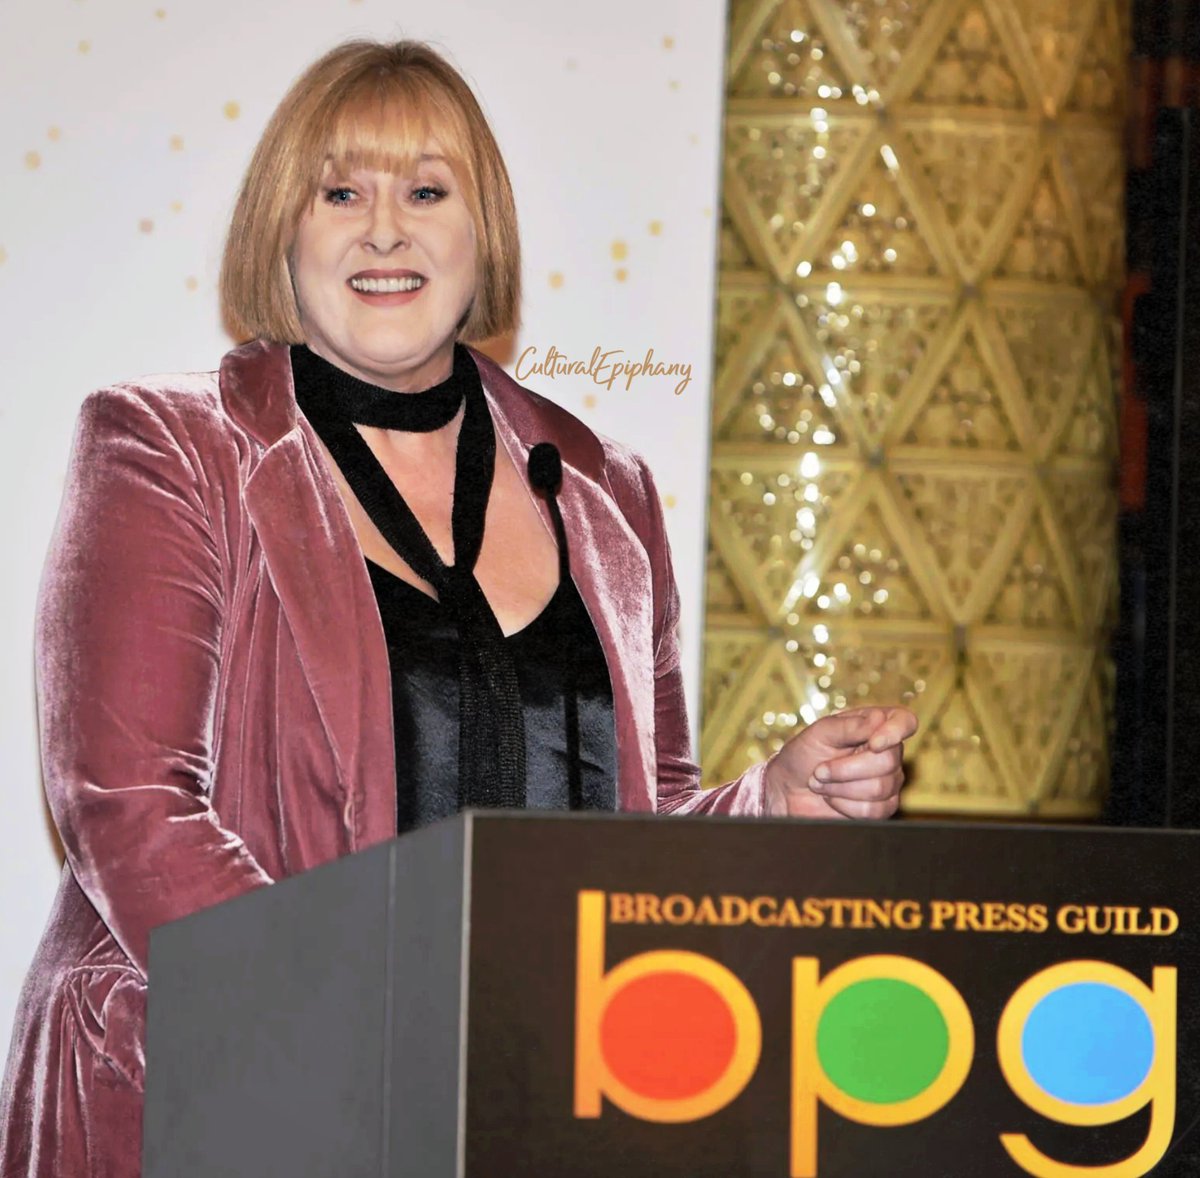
(386, 285)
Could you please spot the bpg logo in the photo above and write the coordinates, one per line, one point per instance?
(672, 1036)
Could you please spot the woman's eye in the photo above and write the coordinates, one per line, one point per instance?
(428, 193)
(340, 195)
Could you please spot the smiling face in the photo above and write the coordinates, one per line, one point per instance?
(383, 266)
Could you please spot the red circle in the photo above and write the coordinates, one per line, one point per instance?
(668, 1036)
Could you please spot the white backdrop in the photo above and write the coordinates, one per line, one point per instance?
(127, 126)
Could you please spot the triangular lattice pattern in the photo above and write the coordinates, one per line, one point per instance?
(913, 421)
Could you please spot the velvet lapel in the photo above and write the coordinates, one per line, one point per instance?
(319, 575)
(608, 564)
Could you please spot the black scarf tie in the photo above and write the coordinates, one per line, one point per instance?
(491, 742)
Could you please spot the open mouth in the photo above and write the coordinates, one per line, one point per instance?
(387, 285)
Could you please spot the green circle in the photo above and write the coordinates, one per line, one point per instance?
(882, 1041)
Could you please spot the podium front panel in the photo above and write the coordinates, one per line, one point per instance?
(554, 995)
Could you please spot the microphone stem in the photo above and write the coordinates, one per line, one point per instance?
(570, 686)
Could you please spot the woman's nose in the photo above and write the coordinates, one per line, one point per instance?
(387, 229)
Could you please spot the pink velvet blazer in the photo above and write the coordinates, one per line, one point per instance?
(215, 700)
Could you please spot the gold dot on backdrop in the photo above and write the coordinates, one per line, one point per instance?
(556, 279)
(589, 401)
(674, 84)
(655, 228)
(3, 255)
(54, 134)
(669, 501)
(619, 250)
(232, 110)
(620, 274)
(191, 282)
(177, 206)
(572, 63)
(176, 142)
(32, 160)
(146, 225)
(85, 46)
(161, 13)
(668, 42)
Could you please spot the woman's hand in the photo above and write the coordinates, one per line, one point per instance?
(848, 765)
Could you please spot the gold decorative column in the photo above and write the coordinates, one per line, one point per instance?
(914, 423)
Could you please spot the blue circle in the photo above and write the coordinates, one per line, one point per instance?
(1088, 1043)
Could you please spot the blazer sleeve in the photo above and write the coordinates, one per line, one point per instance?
(678, 776)
(128, 647)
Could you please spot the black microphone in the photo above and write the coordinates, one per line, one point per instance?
(545, 467)
(545, 473)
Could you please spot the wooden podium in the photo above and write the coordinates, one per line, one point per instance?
(557, 996)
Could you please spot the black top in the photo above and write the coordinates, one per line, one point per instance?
(422, 643)
(480, 719)
(491, 750)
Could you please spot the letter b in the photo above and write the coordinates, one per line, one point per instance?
(667, 1036)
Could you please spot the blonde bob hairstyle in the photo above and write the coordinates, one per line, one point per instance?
(377, 106)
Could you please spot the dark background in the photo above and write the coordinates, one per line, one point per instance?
(1156, 749)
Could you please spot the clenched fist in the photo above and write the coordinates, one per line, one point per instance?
(848, 765)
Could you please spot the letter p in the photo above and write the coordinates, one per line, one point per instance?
(881, 1040)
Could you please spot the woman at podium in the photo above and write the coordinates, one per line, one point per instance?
(350, 583)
